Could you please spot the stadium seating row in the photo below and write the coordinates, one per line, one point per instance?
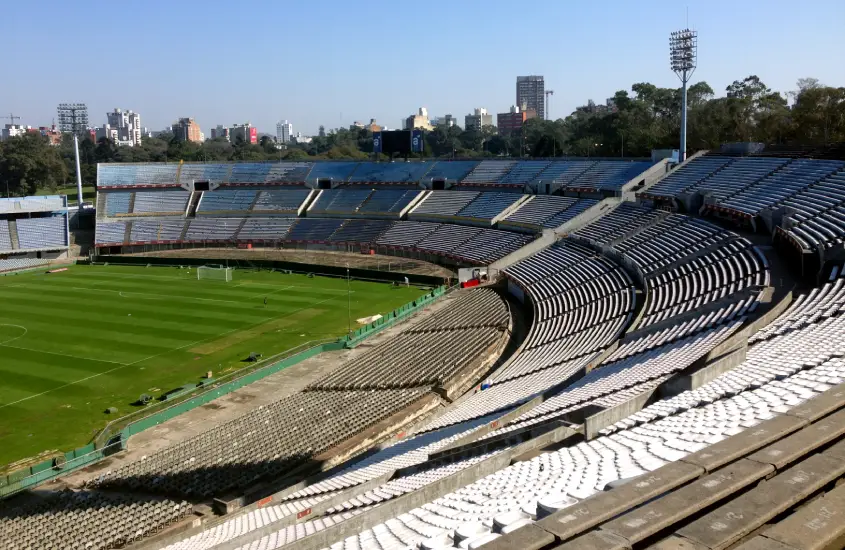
(594, 175)
(780, 374)
(91, 520)
(470, 244)
(39, 233)
(686, 263)
(474, 322)
(518, 212)
(804, 198)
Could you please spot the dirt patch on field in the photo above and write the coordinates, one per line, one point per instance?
(256, 331)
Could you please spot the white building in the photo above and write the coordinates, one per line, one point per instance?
(13, 130)
(123, 128)
(284, 132)
(479, 119)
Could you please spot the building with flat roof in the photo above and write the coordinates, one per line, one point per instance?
(284, 131)
(123, 128)
(478, 119)
(531, 93)
(243, 132)
(511, 122)
(186, 129)
(419, 120)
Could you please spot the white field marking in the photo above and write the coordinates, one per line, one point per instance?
(320, 290)
(25, 330)
(123, 293)
(122, 365)
(62, 354)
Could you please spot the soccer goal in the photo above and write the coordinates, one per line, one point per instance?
(214, 273)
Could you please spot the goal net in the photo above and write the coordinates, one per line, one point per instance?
(214, 273)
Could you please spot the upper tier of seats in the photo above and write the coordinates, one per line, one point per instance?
(587, 174)
(745, 186)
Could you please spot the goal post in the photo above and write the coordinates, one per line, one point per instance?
(214, 273)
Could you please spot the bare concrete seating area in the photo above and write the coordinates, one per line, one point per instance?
(90, 520)
(268, 441)
(475, 324)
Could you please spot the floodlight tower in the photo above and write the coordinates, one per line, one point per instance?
(683, 53)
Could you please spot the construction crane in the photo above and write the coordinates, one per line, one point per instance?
(12, 118)
(548, 93)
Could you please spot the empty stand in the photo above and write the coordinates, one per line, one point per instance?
(608, 175)
(44, 232)
(549, 211)
(489, 171)
(687, 175)
(388, 201)
(265, 229)
(283, 201)
(361, 231)
(390, 172)
(488, 205)
(159, 203)
(443, 203)
(339, 201)
(212, 229)
(309, 229)
(450, 171)
(225, 201)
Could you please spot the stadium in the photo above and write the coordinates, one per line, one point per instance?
(533, 353)
(637, 353)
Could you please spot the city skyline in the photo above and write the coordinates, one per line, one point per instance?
(330, 84)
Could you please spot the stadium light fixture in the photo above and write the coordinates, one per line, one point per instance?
(683, 56)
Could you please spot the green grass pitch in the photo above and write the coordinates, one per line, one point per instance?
(74, 343)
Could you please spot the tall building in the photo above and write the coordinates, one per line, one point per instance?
(284, 131)
(531, 94)
(511, 122)
(419, 120)
(220, 132)
(186, 129)
(243, 132)
(479, 119)
(123, 128)
(73, 118)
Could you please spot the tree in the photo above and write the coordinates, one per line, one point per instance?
(28, 163)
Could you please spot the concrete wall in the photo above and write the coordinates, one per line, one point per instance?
(546, 240)
(601, 420)
(649, 178)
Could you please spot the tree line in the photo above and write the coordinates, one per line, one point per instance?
(643, 118)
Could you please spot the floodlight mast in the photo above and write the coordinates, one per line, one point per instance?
(683, 54)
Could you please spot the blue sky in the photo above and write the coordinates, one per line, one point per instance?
(333, 62)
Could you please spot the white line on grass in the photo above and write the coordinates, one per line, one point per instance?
(151, 356)
(25, 330)
(62, 354)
